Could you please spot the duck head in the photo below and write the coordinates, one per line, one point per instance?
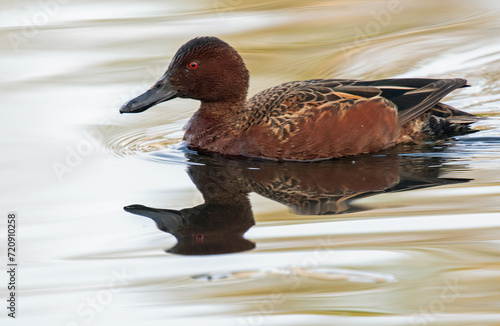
(205, 69)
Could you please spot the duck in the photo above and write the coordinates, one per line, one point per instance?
(306, 120)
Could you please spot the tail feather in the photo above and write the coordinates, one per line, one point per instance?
(415, 103)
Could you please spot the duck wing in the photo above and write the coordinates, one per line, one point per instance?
(290, 97)
(318, 119)
(412, 96)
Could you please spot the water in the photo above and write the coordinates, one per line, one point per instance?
(409, 236)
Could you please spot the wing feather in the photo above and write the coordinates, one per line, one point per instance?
(412, 96)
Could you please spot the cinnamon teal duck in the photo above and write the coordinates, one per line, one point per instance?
(299, 120)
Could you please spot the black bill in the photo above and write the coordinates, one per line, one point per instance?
(161, 91)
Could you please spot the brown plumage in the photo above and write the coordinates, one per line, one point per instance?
(301, 120)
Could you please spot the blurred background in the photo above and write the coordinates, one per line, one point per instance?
(344, 255)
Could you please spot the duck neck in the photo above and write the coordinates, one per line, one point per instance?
(214, 118)
(223, 112)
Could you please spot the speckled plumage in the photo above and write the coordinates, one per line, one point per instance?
(301, 120)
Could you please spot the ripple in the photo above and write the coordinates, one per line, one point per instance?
(124, 141)
(325, 274)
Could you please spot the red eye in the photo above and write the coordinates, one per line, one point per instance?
(200, 238)
(193, 65)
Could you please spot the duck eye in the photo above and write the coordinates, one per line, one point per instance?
(193, 65)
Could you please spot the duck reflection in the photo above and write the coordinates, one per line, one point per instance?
(215, 227)
(318, 188)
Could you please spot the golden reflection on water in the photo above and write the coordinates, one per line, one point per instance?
(426, 256)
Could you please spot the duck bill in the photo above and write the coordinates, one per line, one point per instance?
(162, 91)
